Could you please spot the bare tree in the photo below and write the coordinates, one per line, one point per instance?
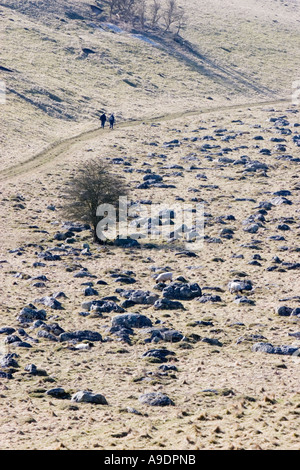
(142, 13)
(170, 14)
(93, 186)
(113, 7)
(155, 13)
(128, 10)
(181, 20)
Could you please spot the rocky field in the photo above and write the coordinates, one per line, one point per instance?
(221, 366)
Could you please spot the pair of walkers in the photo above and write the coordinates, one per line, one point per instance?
(111, 120)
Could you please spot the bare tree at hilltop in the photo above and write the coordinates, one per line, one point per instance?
(153, 14)
(174, 16)
(124, 10)
(142, 13)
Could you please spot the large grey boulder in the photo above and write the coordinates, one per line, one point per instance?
(50, 302)
(58, 393)
(166, 304)
(102, 306)
(89, 397)
(160, 355)
(143, 297)
(164, 334)
(131, 320)
(81, 335)
(8, 361)
(284, 311)
(30, 314)
(263, 347)
(182, 291)
(127, 243)
(281, 350)
(156, 399)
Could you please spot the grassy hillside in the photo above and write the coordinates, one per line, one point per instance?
(259, 39)
(56, 90)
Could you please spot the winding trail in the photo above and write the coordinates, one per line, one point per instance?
(58, 148)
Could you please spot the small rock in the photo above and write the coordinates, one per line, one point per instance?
(281, 350)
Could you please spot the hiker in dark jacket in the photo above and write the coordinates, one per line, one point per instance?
(103, 120)
(112, 121)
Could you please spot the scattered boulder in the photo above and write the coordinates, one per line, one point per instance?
(182, 291)
(281, 350)
(125, 280)
(6, 330)
(31, 369)
(159, 355)
(48, 256)
(263, 347)
(137, 297)
(243, 300)
(58, 393)
(122, 333)
(8, 361)
(84, 273)
(12, 339)
(50, 302)
(89, 291)
(284, 311)
(89, 397)
(5, 375)
(30, 314)
(84, 335)
(164, 334)
(126, 243)
(209, 298)
(102, 306)
(252, 228)
(50, 332)
(156, 399)
(132, 320)
(279, 200)
(211, 341)
(254, 166)
(75, 227)
(166, 304)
